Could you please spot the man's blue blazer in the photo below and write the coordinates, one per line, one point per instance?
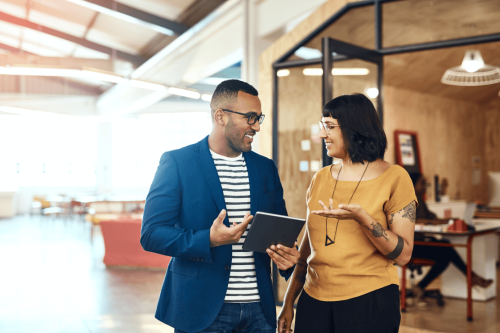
(184, 199)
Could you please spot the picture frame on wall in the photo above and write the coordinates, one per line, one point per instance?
(407, 151)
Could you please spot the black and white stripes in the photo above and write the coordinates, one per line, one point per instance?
(233, 177)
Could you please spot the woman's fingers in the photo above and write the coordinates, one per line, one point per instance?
(323, 205)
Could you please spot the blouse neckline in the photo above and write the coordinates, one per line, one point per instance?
(362, 181)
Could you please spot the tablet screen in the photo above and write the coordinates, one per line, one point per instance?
(272, 229)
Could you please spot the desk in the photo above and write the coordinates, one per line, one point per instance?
(95, 219)
(112, 204)
(482, 228)
(123, 248)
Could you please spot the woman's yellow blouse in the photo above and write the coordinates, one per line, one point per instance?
(352, 266)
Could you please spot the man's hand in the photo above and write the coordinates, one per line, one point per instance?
(222, 235)
(284, 257)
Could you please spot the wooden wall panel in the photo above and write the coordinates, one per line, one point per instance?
(450, 133)
(299, 107)
(491, 138)
(351, 84)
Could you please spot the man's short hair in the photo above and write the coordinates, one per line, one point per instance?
(227, 91)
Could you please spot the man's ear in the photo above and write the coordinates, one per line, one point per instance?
(219, 117)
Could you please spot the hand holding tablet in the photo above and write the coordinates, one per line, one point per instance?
(284, 257)
(275, 235)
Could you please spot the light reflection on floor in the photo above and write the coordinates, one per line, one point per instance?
(53, 280)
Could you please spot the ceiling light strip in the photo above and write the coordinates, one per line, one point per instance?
(29, 112)
(184, 93)
(335, 71)
(102, 76)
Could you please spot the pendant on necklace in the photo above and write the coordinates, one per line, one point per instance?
(328, 241)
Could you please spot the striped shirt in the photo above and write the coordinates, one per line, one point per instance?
(233, 176)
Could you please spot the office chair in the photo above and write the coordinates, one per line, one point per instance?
(416, 264)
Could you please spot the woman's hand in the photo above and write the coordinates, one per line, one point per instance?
(352, 211)
(285, 319)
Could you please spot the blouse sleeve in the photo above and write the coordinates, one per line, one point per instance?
(402, 192)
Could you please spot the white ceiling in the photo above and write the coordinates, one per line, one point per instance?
(211, 45)
(74, 19)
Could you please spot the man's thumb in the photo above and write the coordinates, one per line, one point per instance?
(221, 217)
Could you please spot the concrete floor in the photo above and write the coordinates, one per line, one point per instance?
(53, 280)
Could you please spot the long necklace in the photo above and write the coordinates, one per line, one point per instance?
(328, 240)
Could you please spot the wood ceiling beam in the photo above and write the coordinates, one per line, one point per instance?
(14, 49)
(28, 6)
(137, 60)
(134, 15)
(89, 26)
(198, 10)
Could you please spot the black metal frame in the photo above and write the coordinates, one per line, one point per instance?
(348, 50)
(175, 27)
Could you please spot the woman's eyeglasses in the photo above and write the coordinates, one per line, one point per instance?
(327, 127)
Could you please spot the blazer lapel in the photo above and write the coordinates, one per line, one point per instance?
(207, 166)
(253, 175)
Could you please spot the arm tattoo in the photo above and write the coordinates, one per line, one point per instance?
(410, 211)
(397, 251)
(378, 231)
(391, 218)
(301, 271)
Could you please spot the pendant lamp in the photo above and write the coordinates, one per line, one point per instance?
(472, 72)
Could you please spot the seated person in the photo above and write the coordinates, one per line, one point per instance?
(442, 256)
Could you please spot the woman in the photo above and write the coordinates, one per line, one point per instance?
(361, 220)
(442, 256)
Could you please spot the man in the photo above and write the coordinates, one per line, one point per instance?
(202, 200)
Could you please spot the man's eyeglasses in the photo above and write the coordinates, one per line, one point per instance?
(252, 118)
(327, 127)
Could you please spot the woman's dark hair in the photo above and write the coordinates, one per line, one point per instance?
(364, 137)
(415, 176)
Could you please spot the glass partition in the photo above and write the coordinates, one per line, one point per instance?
(416, 22)
(356, 76)
(357, 26)
(299, 144)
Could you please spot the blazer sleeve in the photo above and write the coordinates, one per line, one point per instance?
(280, 209)
(159, 233)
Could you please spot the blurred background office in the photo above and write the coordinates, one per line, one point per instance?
(92, 92)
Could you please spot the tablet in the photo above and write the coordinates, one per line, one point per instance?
(271, 229)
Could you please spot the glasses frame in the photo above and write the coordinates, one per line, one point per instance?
(259, 119)
(324, 126)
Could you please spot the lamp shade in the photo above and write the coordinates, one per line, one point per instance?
(472, 72)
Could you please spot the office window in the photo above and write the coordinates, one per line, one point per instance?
(47, 151)
(139, 143)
